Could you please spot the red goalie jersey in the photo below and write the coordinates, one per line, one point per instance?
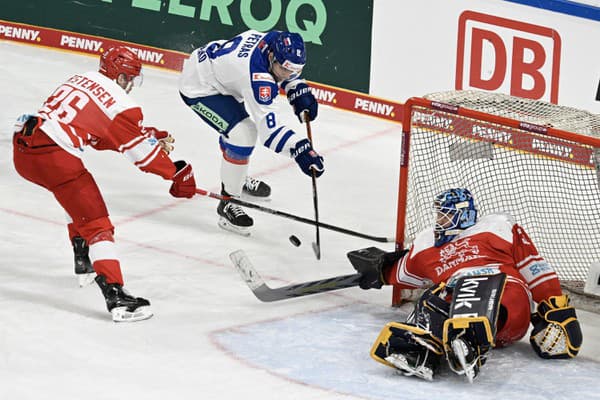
(495, 244)
(91, 109)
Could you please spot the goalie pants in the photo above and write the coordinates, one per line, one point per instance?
(515, 313)
(41, 161)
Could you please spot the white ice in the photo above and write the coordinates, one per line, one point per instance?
(210, 337)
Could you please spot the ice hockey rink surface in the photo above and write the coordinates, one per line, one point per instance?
(210, 337)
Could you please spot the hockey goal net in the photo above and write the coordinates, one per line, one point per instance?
(537, 161)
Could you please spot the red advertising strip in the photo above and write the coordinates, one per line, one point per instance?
(504, 136)
(358, 102)
(87, 44)
(173, 60)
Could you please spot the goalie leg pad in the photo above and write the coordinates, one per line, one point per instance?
(475, 308)
(431, 310)
(409, 349)
(469, 332)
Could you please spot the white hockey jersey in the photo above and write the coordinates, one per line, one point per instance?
(240, 68)
(92, 110)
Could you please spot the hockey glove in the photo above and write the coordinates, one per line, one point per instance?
(556, 332)
(307, 158)
(373, 263)
(302, 99)
(165, 140)
(26, 124)
(184, 184)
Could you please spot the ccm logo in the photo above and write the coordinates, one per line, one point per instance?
(499, 54)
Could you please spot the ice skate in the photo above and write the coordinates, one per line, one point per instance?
(255, 189)
(123, 306)
(412, 364)
(233, 218)
(83, 266)
(464, 360)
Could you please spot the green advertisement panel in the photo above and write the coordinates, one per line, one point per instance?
(337, 32)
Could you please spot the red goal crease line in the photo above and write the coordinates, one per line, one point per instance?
(173, 61)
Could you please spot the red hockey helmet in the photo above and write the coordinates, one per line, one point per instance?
(120, 60)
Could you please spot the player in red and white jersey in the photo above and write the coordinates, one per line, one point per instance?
(93, 110)
(459, 247)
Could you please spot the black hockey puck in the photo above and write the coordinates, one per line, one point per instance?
(295, 241)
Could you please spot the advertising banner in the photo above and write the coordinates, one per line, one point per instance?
(337, 32)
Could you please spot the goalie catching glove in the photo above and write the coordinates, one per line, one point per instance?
(556, 332)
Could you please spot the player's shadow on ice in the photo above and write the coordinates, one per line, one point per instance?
(49, 290)
(68, 303)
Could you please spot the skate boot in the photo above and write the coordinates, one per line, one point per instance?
(123, 306)
(233, 218)
(83, 266)
(256, 190)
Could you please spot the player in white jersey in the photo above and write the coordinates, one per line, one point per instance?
(231, 85)
(94, 110)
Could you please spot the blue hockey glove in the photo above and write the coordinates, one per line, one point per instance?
(308, 159)
(302, 99)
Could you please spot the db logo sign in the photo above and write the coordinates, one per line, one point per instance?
(499, 54)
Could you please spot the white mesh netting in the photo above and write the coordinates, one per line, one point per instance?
(550, 185)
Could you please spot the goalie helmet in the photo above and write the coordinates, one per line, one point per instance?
(289, 51)
(120, 60)
(455, 211)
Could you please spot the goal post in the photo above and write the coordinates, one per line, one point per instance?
(537, 161)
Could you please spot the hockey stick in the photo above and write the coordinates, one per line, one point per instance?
(317, 244)
(293, 217)
(264, 293)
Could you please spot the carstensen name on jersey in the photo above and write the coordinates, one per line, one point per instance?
(93, 88)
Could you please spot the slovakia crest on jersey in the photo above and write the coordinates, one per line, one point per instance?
(264, 93)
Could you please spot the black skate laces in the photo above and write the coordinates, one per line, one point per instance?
(234, 209)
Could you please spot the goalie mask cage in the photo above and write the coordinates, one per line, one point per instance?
(536, 161)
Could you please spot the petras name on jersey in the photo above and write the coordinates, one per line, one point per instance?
(248, 45)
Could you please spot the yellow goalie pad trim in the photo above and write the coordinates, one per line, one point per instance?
(386, 333)
(464, 323)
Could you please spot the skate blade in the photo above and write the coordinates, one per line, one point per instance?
(253, 199)
(460, 351)
(240, 230)
(86, 279)
(400, 362)
(120, 314)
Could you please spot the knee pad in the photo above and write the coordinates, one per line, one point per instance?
(238, 145)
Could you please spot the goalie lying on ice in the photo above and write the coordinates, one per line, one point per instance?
(485, 277)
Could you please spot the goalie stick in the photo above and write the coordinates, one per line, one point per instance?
(264, 293)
